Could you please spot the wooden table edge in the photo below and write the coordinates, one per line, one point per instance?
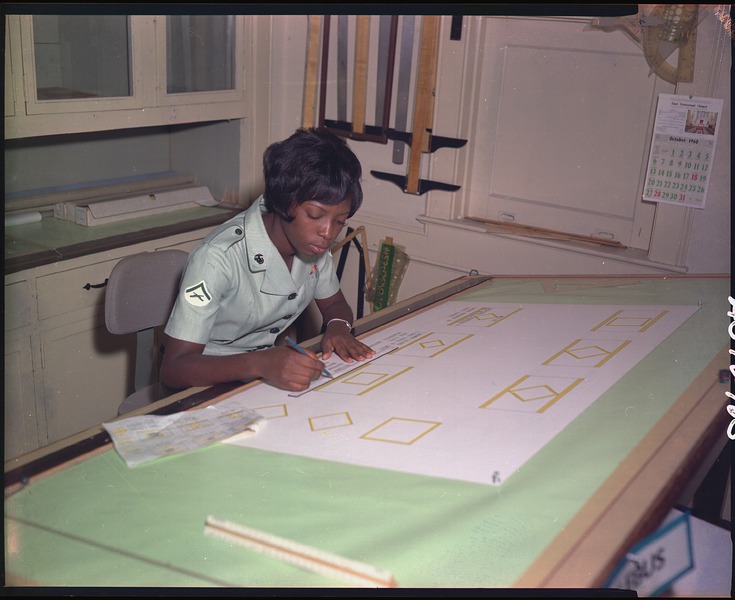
(651, 476)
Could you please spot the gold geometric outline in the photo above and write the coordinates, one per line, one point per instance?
(434, 425)
(474, 315)
(285, 410)
(399, 348)
(347, 376)
(344, 412)
(444, 349)
(612, 318)
(599, 364)
(545, 406)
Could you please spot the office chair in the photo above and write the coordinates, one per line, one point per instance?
(139, 296)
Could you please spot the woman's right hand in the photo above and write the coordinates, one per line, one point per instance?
(288, 369)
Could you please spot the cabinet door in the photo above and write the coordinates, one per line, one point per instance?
(83, 63)
(67, 292)
(83, 372)
(201, 58)
(9, 90)
(87, 373)
(21, 424)
(79, 73)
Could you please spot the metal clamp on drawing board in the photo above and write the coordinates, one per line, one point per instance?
(387, 274)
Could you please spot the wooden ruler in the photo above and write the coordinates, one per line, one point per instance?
(424, 99)
(312, 70)
(540, 232)
(434, 62)
(300, 555)
(358, 129)
(359, 90)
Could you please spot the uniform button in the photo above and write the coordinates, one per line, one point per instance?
(292, 296)
(275, 330)
(238, 231)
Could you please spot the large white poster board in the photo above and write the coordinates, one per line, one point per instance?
(468, 390)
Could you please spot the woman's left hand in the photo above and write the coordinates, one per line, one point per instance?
(339, 340)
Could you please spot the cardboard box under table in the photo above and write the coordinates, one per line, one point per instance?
(561, 520)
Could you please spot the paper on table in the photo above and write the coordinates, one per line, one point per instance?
(145, 438)
(338, 367)
(472, 389)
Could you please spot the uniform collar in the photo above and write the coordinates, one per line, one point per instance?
(263, 254)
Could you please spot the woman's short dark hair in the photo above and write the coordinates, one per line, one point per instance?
(312, 164)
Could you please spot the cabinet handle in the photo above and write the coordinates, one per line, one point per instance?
(89, 286)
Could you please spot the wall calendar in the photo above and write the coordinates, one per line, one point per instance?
(682, 150)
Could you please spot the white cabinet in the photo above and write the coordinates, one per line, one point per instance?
(20, 417)
(64, 372)
(85, 374)
(80, 73)
(83, 368)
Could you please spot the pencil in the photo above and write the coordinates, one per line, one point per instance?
(300, 555)
(305, 353)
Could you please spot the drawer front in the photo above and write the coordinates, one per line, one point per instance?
(17, 305)
(67, 291)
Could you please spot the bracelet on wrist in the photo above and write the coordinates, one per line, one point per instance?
(349, 325)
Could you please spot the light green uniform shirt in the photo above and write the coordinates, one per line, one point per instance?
(237, 294)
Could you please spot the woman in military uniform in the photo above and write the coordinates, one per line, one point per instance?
(252, 276)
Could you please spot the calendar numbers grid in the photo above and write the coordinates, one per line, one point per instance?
(682, 150)
(678, 171)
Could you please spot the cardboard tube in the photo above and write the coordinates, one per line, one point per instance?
(22, 218)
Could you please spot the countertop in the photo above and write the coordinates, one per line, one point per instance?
(52, 240)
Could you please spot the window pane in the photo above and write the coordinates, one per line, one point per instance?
(80, 56)
(200, 52)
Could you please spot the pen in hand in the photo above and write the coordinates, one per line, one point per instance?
(295, 346)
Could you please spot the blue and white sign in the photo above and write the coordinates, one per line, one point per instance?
(654, 564)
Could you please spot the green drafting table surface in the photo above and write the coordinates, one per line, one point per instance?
(562, 520)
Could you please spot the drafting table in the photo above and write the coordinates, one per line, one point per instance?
(75, 515)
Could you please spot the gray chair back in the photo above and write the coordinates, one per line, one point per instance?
(141, 290)
(139, 296)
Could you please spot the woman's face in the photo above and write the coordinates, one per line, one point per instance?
(315, 226)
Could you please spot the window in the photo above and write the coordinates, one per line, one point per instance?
(200, 53)
(82, 63)
(81, 56)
